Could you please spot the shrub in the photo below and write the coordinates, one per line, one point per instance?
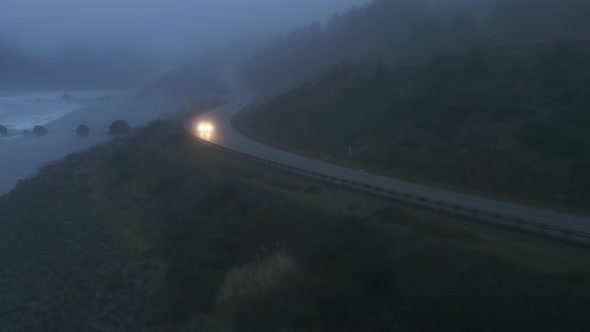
(119, 127)
(40, 130)
(83, 130)
(258, 278)
(264, 296)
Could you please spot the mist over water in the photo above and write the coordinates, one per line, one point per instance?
(159, 33)
(22, 153)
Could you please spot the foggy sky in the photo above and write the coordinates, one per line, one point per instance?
(167, 30)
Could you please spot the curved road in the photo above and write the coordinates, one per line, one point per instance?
(223, 134)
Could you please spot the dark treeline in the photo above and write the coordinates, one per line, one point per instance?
(411, 31)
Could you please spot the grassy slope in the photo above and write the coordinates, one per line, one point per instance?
(508, 123)
(182, 215)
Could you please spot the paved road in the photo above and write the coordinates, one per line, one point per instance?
(225, 135)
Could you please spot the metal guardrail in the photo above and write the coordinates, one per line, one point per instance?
(498, 219)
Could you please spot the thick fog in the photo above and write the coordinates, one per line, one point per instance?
(114, 45)
(162, 32)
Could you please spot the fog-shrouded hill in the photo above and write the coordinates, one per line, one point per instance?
(18, 72)
(86, 67)
(184, 85)
(410, 31)
(72, 69)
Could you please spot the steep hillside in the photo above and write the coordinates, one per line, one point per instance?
(510, 122)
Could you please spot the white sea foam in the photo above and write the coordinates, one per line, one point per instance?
(31, 118)
(21, 154)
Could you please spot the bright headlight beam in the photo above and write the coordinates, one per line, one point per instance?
(204, 130)
(205, 127)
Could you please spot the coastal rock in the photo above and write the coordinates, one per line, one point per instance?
(83, 130)
(3, 130)
(119, 127)
(40, 130)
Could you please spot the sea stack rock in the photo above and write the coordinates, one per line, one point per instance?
(119, 127)
(40, 130)
(3, 130)
(83, 130)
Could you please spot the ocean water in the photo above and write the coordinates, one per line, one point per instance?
(21, 111)
(22, 154)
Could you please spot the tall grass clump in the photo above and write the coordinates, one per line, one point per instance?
(265, 295)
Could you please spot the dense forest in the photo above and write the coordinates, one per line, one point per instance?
(410, 31)
(510, 121)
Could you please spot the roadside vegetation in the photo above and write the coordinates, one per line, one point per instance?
(487, 97)
(211, 243)
(508, 122)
